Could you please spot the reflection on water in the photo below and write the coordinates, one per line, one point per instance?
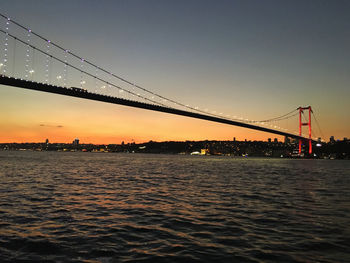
(130, 207)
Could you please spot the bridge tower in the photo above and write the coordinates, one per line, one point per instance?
(301, 124)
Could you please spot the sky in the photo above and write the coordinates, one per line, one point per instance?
(251, 59)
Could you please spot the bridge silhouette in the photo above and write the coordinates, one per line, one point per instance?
(41, 65)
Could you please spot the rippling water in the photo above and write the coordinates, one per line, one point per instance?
(86, 207)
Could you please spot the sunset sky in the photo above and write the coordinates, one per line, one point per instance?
(251, 59)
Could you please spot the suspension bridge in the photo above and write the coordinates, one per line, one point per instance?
(31, 61)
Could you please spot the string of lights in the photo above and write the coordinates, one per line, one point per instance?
(31, 71)
(154, 98)
(82, 81)
(27, 56)
(14, 57)
(65, 72)
(111, 74)
(162, 99)
(282, 117)
(5, 59)
(47, 61)
(78, 69)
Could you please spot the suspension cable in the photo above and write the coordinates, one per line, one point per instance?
(318, 125)
(100, 79)
(282, 117)
(78, 69)
(104, 70)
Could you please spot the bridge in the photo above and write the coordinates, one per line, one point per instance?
(39, 64)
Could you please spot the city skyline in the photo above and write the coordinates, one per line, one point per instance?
(197, 52)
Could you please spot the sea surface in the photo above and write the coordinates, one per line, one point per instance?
(106, 207)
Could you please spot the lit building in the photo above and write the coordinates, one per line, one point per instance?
(204, 151)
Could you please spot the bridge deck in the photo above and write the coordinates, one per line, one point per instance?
(20, 83)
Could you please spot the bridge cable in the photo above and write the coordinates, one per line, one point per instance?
(318, 125)
(77, 68)
(282, 117)
(49, 42)
(14, 57)
(49, 56)
(106, 71)
(116, 76)
(87, 73)
(5, 62)
(31, 71)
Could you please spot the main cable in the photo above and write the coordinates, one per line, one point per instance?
(102, 69)
(282, 117)
(78, 69)
(95, 77)
(318, 125)
(121, 78)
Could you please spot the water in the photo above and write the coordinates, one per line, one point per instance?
(86, 207)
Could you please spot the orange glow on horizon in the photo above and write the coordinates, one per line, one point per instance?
(115, 136)
(27, 116)
(38, 116)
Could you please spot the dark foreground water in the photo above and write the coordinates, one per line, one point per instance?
(60, 207)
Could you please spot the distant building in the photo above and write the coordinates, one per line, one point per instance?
(234, 139)
(331, 139)
(76, 142)
(204, 151)
(47, 141)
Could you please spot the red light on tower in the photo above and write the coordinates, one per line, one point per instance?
(301, 123)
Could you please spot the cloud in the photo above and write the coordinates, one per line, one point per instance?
(50, 125)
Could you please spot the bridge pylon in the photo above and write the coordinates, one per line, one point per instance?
(301, 124)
